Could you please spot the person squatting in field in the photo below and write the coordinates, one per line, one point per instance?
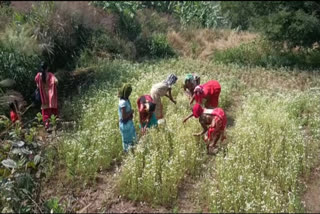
(209, 91)
(162, 89)
(47, 84)
(125, 113)
(147, 116)
(190, 83)
(213, 121)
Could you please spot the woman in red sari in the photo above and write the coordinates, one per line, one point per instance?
(147, 116)
(209, 91)
(47, 84)
(213, 121)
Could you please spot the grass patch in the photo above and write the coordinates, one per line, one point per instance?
(262, 53)
(267, 154)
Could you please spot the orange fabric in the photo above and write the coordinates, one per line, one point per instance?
(48, 91)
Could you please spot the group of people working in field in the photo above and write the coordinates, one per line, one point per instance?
(46, 94)
(212, 119)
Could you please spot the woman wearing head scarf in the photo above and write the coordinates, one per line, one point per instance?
(209, 91)
(146, 108)
(190, 83)
(47, 84)
(125, 112)
(162, 89)
(213, 121)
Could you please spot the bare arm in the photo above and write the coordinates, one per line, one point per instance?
(148, 120)
(55, 80)
(170, 96)
(203, 131)
(187, 92)
(187, 118)
(191, 101)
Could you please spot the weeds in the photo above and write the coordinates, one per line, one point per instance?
(265, 158)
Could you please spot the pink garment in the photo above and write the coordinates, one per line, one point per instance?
(48, 91)
(210, 91)
(220, 124)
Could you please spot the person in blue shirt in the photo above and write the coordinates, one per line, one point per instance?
(125, 112)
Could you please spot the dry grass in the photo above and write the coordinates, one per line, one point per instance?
(202, 43)
(91, 16)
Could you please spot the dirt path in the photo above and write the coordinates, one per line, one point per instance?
(99, 198)
(312, 195)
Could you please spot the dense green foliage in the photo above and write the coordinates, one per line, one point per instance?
(204, 14)
(23, 163)
(20, 67)
(295, 22)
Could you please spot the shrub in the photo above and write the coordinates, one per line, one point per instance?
(19, 38)
(20, 67)
(159, 46)
(6, 15)
(61, 32)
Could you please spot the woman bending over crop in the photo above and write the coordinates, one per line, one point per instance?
(209, 91)
(162, 89)
(147, 117)
(190, 83)
(213, 121)
(125, 113)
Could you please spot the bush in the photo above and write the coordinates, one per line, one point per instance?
(19, 38)
(159, 46)
(20, 67)
(280, 21)
(61, 32)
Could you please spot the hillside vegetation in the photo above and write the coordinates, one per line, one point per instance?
(269, 93)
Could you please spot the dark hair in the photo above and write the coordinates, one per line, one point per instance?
(43, 69)
(152, 107)
(13, 105)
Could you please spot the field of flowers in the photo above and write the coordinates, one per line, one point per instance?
(267, 152)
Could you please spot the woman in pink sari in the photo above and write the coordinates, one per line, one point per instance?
(47, 84)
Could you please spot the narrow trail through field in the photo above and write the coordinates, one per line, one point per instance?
(312, 194)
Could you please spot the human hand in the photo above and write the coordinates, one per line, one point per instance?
(196, 134)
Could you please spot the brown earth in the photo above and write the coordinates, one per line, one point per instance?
(311, 197)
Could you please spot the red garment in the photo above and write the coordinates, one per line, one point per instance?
(197, 110)
(210, 91)
(220, 124)
(13, 116)
(142, 112)
(48, 90)
(46, 114)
